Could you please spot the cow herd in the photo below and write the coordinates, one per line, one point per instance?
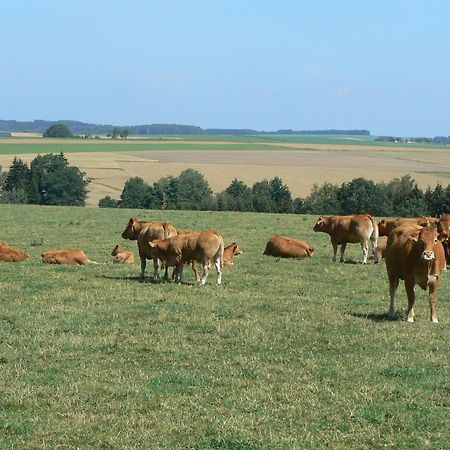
(416, 250)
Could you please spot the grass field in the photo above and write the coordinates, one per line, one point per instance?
(289, 354)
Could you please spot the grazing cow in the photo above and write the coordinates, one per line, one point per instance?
(349, 229)
(283, 247)
(143, 233)
(69, 257)
(229, 252)
(122, 256)
(203, 247)
(11, 254)
(380, 251)
(444, 223)
(386, 226)
(415, 255)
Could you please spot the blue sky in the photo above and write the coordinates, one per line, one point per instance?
(266, 65)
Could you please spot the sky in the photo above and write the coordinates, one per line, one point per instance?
(265, 65)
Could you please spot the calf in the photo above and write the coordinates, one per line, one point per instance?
(68, 257)
(144, 233)
(283, 247)
(122, 256)
(11, 254)
(203, 247)
(417, 257)
(230, 252)
(386, 226)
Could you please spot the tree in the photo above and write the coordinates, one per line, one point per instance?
(164, 194)
(124, 133)
(18, 179)
(236, 197)
(108, 202)
(116, 132)
(54, 182)
(360, 196)
(134, 193)
(262, 197)
(323, 200)
(194, 191)
(58, 130)
(437, 201)
(406, 197)
(281, 196)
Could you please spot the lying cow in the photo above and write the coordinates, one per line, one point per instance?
(283, 247)
(229, 252)
(203, 247)
(349, 229)
(144, 233)
(122, 256)
(417, 257)
(69, 257)
(11, 254)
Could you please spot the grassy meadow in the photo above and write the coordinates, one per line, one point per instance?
(288, 354)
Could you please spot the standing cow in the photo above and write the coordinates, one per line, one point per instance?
(415, 255)
(144, 233)
(349, 229)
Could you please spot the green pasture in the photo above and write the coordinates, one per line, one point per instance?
(288, 354)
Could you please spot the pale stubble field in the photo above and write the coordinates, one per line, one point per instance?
(299, 165)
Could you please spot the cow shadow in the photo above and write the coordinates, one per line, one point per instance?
(375, 317)
(147, 280)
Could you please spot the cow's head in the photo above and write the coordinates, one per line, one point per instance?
(115, 250)
(236, 249)
(130, 231)
(427, 240)
(320, 224)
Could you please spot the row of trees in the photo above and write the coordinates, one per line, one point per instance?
(190, 190)
(49, 180)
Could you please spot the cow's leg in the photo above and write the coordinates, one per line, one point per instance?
(374, 250)
(343, 246)
(179, 272)
(409, 287)
(393, 285)
(196, 272)
(218, 265)
(156, 264)
(143, 265)
(334, 244)
(432, 291)
(206, 266)
(166, 272)
(365, 250)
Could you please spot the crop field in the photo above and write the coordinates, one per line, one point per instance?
(300, 161)
(285, 354)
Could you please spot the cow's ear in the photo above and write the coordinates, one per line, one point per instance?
(152, 244)
(382, 222)
(443, 236)
(415, 238)
(130, 222)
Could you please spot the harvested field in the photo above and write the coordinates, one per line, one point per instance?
(299, 165)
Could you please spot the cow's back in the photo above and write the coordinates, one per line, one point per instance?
(283, 247)
(352, 228)
(11, 254)
(65, 257)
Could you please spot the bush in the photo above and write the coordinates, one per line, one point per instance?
(59, 130)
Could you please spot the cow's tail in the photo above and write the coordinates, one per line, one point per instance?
(220, 250)
(93, 262)
(374, 235)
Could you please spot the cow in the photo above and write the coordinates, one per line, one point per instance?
(349, 229)
(143, 233)
(380, 250)
(386, 226)
(229, 252)
(69, 257)
(415, 255)
(283, 247)
(11, 254)
(444, 223)
(122, 256)
(203, 247)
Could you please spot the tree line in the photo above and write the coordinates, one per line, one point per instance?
(49, 180)
(400, 197)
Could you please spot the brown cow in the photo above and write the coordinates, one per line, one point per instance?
(283, 247)
(229, 252)
(11, 254)
(386, 226)
(444, 223)
(417, 257)
(380, 251)
(203, 247)
(122, 256)
(349, 229)
(143, 233)
(69, 257)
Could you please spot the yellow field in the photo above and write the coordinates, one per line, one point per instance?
(300, 165)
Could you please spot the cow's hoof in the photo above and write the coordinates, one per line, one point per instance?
(434, 321)
(410, 320)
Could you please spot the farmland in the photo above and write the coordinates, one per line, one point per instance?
(300, 161)
(285, 354)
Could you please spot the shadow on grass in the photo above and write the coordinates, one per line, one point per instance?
(374, 317)
(146, 280)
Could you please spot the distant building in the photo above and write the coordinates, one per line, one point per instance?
(5, 133)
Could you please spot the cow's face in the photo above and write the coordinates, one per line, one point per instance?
(236, 249)
(427, 239)
(115, 250)
(130, 231)
(320, 224)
